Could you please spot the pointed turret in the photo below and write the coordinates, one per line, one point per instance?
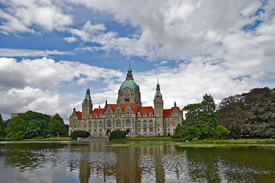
(87, 105)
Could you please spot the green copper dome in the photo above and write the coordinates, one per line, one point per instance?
(130, 84)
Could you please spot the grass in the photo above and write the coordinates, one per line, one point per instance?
(40, 139)
(148, 139)
(200, 143)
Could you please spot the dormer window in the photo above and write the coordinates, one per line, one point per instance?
(139, 114)
(150, 114)
(144, 114)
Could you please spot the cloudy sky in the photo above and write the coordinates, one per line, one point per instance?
(51, 51)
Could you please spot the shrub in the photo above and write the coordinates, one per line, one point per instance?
(236, 137)
(175, 136)
(273, 137)
(79, 133)
(117, 134)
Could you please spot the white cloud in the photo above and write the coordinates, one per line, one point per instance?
(23, 16)
(5, 52)
(70, 39)
(87, 31)
(34, 84)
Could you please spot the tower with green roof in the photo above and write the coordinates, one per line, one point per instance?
(158, 108)
(87, 105)
(129, 91)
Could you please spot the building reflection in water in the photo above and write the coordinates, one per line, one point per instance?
(101, 163)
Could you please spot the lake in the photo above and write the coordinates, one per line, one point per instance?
(93, 161)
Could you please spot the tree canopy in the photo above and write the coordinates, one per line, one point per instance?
(201, 120)
(32, 124)
(2, 128)
(249, 114)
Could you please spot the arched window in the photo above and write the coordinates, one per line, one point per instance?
(95, 124)
(109, 124)
(151, 123)
(118, 123)
(128, 123)
(150, 114)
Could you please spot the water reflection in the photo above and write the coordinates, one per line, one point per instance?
(94, 162)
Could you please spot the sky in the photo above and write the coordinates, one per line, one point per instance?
(51, 51)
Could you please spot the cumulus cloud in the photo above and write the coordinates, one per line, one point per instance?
(33, 84)
(23, 16)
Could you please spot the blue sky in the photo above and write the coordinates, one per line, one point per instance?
(51, 51)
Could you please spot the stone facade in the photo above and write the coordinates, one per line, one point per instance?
(127, 115)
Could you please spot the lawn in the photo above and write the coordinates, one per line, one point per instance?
(198, 143)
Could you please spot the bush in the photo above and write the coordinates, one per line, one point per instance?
(117, 134)
(236, 137)
(175, 136)
(79, 133)
(273, 137)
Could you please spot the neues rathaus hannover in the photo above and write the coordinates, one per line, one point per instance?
(127, 114)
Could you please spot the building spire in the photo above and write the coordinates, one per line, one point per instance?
(129, 74)
(175, 104)
(87, 96)
(158, 89)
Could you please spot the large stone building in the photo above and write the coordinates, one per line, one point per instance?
(127, 114)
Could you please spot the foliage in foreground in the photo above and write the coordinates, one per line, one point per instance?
(79, 133)
(117, 134)
(2, 128)
(33, 124)
(201, 122)
(148, 139)
(250, 114)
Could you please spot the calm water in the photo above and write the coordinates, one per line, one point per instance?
(94, 162)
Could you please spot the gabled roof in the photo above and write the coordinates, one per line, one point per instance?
(79, 114)
(123, 107)
(97, 111)
(167, 112)
(147, 109)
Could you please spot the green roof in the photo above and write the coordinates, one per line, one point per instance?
(128, 84)
(158, 93)
(87, 96)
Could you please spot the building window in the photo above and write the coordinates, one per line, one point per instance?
(151, 123)
(95, 124)
(168, 129)
(151, 129)
(144, 130)
(168, 125)
(139, 130)
(128, 123)
(174, 124)
(150, 114)
(139, 124)
(109, 124)
(95, 130)
(118, 123)
(158, 125)
(100, 130)
(158, 130)
(144, 123)
(100, 124)
(139, 114)
(144, 114)
(90, 124)
(84, 126)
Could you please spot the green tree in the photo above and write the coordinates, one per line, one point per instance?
(201, 120)
(250, 114)
(2, 128)
(57, 126)
(28, 125)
